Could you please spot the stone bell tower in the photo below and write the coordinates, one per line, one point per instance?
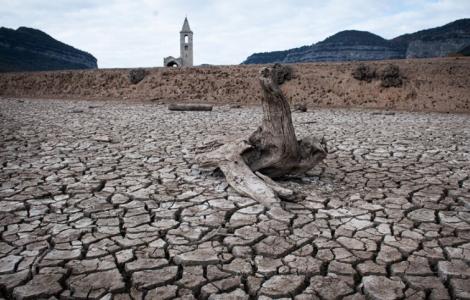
(186, 44)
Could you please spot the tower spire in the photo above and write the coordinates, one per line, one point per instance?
(186, 44)
(186, 27)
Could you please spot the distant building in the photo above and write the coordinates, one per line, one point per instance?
(186, 49)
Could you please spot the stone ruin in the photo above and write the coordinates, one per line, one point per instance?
(186, 49)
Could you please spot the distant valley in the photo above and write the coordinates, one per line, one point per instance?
(353, 45)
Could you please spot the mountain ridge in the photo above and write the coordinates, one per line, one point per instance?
(29, 49)
(356, 45)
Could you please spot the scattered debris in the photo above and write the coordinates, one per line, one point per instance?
(384, 113)
(189, 107)
(300, 107)
(102, 138)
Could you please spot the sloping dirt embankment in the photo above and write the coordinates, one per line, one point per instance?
(429, 85)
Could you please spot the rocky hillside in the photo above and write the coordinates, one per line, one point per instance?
(27, 49)
(436, 42)
(353, 45)
(438, 84)
(348, 45)
(464, 52)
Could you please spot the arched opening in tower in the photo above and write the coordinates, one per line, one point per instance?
(186, 39)
(172, 64)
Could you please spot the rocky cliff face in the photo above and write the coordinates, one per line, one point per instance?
(441, 48)
(345, 53)
(27, 49)
(436, 42)
(356, 45)
(464, 52)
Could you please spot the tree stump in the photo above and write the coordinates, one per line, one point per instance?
(271, 151)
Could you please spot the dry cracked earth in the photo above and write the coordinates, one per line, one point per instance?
(103, 200)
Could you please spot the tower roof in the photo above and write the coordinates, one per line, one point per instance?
(186, 27)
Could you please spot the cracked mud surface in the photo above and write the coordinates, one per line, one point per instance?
(102, 200)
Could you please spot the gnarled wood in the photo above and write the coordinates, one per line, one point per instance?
(271, 151)
(275, 148)
(228, 158)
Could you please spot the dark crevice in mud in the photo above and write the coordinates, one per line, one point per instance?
(166, 249)
(8, 294)
(127, 278)
(460, 182)
(4, 293)
(122, 229)
(100, 186)
(436, 217)
(433, 266)
(85, 247)
(449, 288)
(333, 232)
(196, 291)
(379, 247)
(227, 217)
(301, 288)
(324, 268)
(63, 188)
(178, 216)
(153, 217)
(388, 268)
(357, 277)
(245, 288)
(63, 282)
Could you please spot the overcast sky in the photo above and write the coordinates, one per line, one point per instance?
(139, 33)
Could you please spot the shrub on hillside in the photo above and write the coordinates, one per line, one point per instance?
(137, 75)
(390, 76)
(364, 72)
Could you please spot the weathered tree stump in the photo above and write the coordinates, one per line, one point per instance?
(271, 151)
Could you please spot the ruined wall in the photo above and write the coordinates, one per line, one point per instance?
(428, 84)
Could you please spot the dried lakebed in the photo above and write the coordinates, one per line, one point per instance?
(103, 200)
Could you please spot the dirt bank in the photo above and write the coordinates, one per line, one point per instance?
(428, 85)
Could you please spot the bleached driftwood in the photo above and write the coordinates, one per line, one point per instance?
(271, 151)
